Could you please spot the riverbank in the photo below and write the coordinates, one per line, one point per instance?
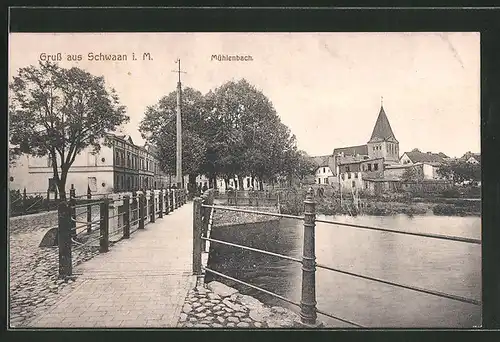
(215, 305)
(227, 218)
(385, 207)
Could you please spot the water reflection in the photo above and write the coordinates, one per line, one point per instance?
(446, 266)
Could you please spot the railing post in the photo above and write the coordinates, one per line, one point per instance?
(171, 200)
(89, 211)
(160, 203)
(64, 240)
(134, 206)
(308, 313)
(167, 201)
(104, 227)
(48, 199)
(152, 210)
(204, 214)
(141, 210)
(72, 203)
(176, 204)
(197, 231)
(24, 201)
(126, 216)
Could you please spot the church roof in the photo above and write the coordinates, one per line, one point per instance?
(352, 150)
(382, 130)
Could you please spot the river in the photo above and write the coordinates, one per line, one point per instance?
(445, 266)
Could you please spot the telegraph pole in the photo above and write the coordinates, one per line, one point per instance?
(179, 178)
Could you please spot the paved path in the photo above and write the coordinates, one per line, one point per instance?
(140, 282)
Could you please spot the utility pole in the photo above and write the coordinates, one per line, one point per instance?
(179, 178)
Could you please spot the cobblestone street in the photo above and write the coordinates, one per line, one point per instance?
(216, 305)
(34, 283)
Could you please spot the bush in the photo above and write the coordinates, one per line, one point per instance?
(450, 193)
(444, 209)
(32, 205)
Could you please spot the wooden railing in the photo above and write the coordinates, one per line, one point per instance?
(129, 212)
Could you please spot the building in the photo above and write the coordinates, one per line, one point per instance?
(119, 165)
(472, 158)
(352, 174)
(325, 167)
(430, 162)
(349, 154)
(383, 143)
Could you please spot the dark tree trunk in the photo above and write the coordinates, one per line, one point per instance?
(61, 185)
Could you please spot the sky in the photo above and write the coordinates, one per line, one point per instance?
(326, 87)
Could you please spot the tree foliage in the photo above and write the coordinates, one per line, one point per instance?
(413, 174)
(460, 171)
(159, 128)
(232, 130)
(59, 112)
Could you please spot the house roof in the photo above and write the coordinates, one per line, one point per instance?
(358, 161)
(476, 156)
(428, 158)
(352, 150)
(385, 179)
(382, 130)
(321, 161)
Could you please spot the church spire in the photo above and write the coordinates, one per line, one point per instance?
(382, 130)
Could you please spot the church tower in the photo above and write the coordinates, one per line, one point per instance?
(383, 143)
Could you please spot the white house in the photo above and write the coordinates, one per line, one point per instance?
(324, 169)
(472, 158)
(430, 162)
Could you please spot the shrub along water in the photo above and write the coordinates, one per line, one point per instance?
(449, 202)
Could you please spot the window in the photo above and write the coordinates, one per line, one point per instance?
(326, 180)
(324, 170)
(355, 175)
(349, 175)
(117, 158)
(92, 183)
(353, 184)
(366, 185)
(319, 180)
(347, 169)
(369, 167)
(375, 167)
(343, 176)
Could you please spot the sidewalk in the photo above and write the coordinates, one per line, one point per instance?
(140, 282)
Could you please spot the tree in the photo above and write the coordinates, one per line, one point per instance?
(460, 171)
(413, 174)
(159, 128)
(244, 133)
(59, 112)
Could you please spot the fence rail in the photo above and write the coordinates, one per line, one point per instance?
(135, 210)
(308, 310)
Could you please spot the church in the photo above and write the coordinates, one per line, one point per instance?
(349, 166)
(381, 145)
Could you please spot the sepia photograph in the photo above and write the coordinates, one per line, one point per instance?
(319, 180)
